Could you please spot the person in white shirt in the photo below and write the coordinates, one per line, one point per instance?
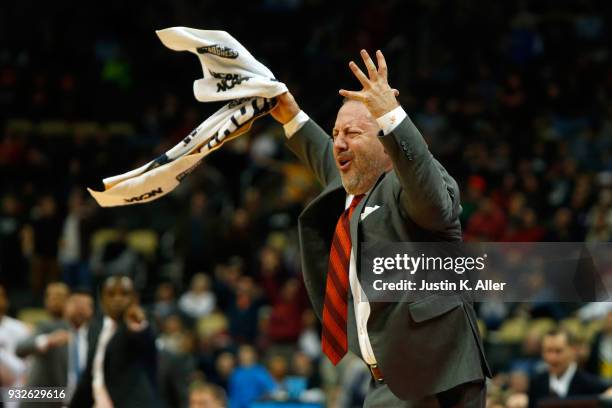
(12, 331)
(199, 301)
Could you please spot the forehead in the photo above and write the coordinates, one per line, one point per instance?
(353, 113)
(118, 284)
(558, 340)
(81, 297)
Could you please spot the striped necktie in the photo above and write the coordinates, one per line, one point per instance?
(335, 310)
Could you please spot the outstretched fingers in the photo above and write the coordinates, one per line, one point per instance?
(354, 95)
(372, 72)
(376, 94)
(365, 82)
(382, 64)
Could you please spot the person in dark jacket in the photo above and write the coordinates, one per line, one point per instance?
(121, 364)
(563, 379)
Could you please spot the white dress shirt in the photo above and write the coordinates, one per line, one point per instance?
(12, 368)
(388, 122)
(560, 385)
(100, 392)
(12, 331)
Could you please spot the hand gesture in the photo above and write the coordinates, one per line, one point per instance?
(135, 318)
(376, 94)
(58, 338)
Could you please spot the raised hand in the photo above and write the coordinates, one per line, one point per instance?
(135, 318)
(58, 338)
(286, 109)
(376, 94)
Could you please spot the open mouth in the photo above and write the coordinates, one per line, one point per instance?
(344, 163)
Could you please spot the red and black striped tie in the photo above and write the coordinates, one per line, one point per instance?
(335, 309)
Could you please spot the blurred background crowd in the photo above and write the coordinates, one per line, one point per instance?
(513, 97)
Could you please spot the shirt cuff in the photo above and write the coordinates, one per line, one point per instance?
(41, 342)
(295, 124)
(389, 121)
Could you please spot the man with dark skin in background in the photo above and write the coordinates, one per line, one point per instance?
(122, 360)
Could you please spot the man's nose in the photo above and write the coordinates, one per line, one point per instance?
(340, 143)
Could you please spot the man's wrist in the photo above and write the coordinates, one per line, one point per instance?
(138, 326)
(389, 121)
(295, 123)
(41, 342)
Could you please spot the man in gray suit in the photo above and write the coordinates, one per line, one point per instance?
(59, 346)
(425, 353)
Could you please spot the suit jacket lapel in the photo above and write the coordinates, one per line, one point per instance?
(353, 339)
(356, 218)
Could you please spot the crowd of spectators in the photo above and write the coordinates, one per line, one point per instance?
(513, 97)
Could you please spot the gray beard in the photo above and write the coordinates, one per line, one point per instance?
(364, 178)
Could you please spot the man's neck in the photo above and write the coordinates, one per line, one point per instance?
(77, 326)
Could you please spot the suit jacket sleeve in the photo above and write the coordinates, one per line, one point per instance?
(538, 388)
(314, 148)
(28, 347)
(429, 196)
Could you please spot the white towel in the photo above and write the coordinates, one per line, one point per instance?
(230, 73)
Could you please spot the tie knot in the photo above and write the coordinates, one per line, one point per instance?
(356, 201)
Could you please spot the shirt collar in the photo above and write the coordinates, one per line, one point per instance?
(349, 198)
(568, 374)
(560, 385)
(108, 323)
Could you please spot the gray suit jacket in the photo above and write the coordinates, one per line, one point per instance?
(48, 369)
(423, 347)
